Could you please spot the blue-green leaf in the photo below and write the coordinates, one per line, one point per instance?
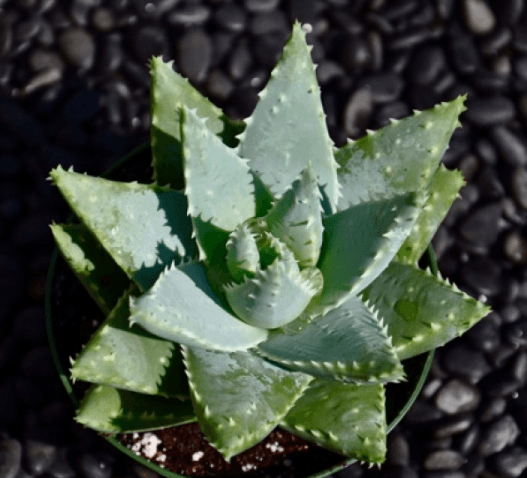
(218, 184)
(346, 418)
(349, 344)
(182, 307)
(398, 158)
(239, 398)
(296, 219)
(130, 358)
(110, 410)
(288, 127)
(143, 227)
(422, 311)
(97, 271)
(358, 244)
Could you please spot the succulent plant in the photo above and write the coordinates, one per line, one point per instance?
(278, 284)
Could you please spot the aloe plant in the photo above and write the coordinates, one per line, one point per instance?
(279, 286)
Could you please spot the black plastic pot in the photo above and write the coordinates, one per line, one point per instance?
(68, 330)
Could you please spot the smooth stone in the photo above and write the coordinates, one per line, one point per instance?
(269, 23)
(444, 474)
(10, 457)
(396, 9)
(511, 463)
(40, 59)
(258, 6)
(422, 413)
(486, 151)
(149, 41)
(519, 187)
(426, 64)
(267, 49)
(464, 362)
(390, 111)
(111, 54)
(478, 16)
(194, 54)
(305, 11)
(511, 145)
(484, 218)
(398, 452)
(515, 247)
(443, 460)
(496, 41)
(27, 29)
(329, 70)
(411, 38)
(357, 112)
(95, 465)
(231, 17)
(219, 85)
(464, 54)
(456, 397)
(6, 37)
(385, 87)
(103, 19)
(61, 467)
(240, 60)
(78, 47)
(483, 275)
(38, 456)
(518, 367)
(467, 441)
(484, 336)
(498, 435)
(510, 11)
(356, 54)
(490, 184)
(483, 111)
(190, 15)
(452, 425)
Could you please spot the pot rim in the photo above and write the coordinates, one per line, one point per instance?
(66, 382)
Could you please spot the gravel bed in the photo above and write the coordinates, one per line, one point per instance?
(74, 91)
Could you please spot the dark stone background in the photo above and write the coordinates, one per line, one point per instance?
(74, 91)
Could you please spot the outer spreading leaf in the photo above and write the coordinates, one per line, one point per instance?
(348, 344)
(398, 158)
(346, 418)
(110, 410)
(442, 191)
(296, 219)
(287, 128)
(421, 311)
(182, 307)
(143, 227)
(131, 358)
(218, 183)
(358, 244)
(168, 91)
(97, 271)
(239, 398)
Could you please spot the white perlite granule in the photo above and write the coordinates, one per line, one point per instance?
(148, 445)
(197, 456)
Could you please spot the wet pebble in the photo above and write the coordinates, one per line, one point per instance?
(61, 467)
(10, 457)
(38, 456)
(231, 17)
(498, 435)
(511, 463)
(443, 460)
(95, 465)
(398, 452)
(452, 425)
(78, 47)
(461, 361)
(483, 275)
(519, 187)
(268, 22)
(219, 85)
(357, 112)
(485, 111)
(260, 5)
(512, 147)
(240, 60)
(194, 52)
(385, 87)
(465, 56)
(426, 64)
(467, 441)
(190, 15)
(478, 16)
(485, 335)
(456, 397)
(149, 41)
(485, 218)
(103, 19)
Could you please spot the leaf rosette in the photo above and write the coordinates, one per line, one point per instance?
(279, 286)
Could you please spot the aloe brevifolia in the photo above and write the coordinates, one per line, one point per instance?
(279, 286)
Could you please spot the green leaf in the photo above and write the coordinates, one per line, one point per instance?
(349, 344)
(131, 358)
(422, 311)
(442, 191)
(182, 307)
(277, 295)
(296, 219)
(398, 158)
(358, 244)
(239, 398)
(346, 418)
(168, 91)
(110, 410)
(243, 258)
(218, 183)
(143, 227)
(288, 127)
(93, 266)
